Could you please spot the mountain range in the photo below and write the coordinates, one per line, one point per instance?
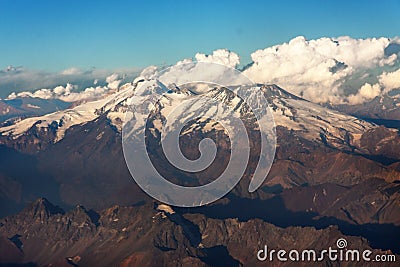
(334, 174)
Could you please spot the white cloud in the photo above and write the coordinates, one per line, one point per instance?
(220, 56)
(319, 69)
(57, 92)
(198, 70)
(390, 80)
(387, 81)
(61, 90)
(366, 92)
(89, 93)
(71, 71)
(148, 73)
(113, 81)
(113, 77)
(42, 93)
(70, 92)
(18, 79)
(66, 93)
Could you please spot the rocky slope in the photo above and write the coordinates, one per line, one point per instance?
(149, 234)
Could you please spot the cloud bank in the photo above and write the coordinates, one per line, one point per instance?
(323, 70)
(70, 92)
(335, 70)
(387, 81)
(69, 85)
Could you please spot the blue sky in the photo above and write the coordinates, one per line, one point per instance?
(56, 35)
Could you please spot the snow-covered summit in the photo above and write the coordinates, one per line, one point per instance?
(310, 120)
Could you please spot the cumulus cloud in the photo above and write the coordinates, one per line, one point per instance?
(320, 70)
(113, 81)
(89, 93)
(366, 92)
(66, 93)
(390, 80)
(149, 72)
(387, 82)
(19, 79)
(220, 56)
(199, 70)
(71, 93)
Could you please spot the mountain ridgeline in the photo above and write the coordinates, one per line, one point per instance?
(333, 173)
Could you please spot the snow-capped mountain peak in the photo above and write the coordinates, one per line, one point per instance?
(308, 119)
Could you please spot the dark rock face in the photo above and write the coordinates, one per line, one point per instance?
(382, 142)
(143, 236)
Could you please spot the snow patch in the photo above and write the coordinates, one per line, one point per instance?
(165, 208)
